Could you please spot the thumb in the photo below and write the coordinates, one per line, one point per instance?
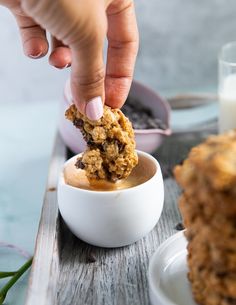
(87, 76)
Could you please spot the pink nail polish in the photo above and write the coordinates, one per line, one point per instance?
(66, 66)
(94, 109)
(35, 56)
(61, 68)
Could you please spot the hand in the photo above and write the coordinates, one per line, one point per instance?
(79, 29)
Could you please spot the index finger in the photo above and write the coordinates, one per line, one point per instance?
(123, 43)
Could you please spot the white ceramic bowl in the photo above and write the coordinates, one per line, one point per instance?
(147, 140)
(113, 218)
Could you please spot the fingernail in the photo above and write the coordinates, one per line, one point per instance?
(66, 66)
(94, 109)
(35, 56)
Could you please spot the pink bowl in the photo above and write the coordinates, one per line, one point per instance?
(147, 140)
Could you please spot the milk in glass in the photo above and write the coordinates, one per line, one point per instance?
(227, 98)
(227, 87)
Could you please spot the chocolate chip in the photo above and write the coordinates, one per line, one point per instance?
(90, 142)
(141, 116)
(201, 268)
(231, 301)
(78, 123)
(179, 226)
(120, 145)
(79, 164)
(91, 258)
(87, 136)
(221, 273)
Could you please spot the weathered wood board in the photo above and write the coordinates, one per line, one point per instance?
(67, 271)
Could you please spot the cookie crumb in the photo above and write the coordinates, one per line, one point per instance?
(52, 189)
(179, 226)
(91, 258)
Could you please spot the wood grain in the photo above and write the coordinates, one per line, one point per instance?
(67, 271)
(92, 275)
(44, 271)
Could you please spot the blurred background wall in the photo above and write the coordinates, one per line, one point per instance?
(179, 43)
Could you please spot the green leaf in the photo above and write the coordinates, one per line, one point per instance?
(2, 298)
(4, 274)
(14, 279)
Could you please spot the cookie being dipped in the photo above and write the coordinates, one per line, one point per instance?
(110, 153)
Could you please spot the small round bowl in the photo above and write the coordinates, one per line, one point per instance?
(113, 218)
(147, 140)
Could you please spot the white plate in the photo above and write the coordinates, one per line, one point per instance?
(198, 118)
(167, 274)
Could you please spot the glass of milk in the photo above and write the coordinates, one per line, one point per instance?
(227, 87)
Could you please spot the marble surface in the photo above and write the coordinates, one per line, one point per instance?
(178, 52)
(24, 158)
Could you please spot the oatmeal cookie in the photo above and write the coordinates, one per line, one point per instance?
(111, 151)
(208, 208)
(215, 159)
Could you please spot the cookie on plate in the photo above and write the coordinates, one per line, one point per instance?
(208, 208)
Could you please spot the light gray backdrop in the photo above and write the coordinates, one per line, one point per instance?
(180, 40)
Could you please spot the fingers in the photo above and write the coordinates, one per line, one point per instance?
(87, 78)
(82, 26)
(60, 56)
(88, 72)
(122, 51)
(33, 37)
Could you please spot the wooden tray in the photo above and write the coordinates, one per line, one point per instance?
(67, 271)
